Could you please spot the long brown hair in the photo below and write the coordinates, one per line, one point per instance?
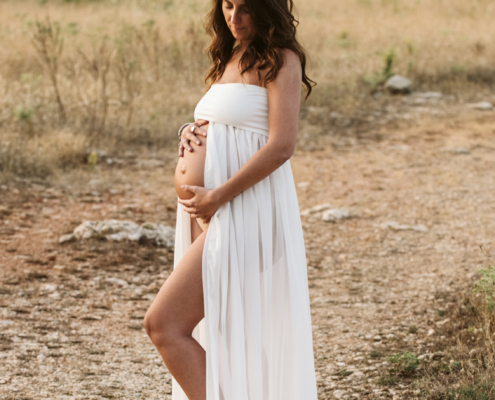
(275, 31)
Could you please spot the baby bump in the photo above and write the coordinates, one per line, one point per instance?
(191, 168)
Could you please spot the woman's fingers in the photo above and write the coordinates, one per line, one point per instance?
(186, 203)
(197, 130)
(190, 188)
(192, 136)
(202, 122)
(185, 142)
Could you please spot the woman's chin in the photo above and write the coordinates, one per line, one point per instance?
(240, 36)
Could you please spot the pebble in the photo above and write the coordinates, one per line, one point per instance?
(482, 106)
(334, 215)
(338, 394)
(401, 227)
(316, 209)
(49, 287)
(456, 150)
(429, 95)
(66, 238)
(398, 84)
(118, 281)
(441, 323)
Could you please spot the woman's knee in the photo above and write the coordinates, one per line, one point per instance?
(161, 330)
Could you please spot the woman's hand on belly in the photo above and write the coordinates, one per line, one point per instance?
(188, 136)
(204, 203)
(190, 170)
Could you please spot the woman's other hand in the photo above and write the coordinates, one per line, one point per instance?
(204, 203)
(187, 135)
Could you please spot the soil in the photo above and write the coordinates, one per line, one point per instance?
(71, 314)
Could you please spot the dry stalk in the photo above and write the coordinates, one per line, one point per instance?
(98, 65)
(149, 39)
(126, 66)
(49, 44)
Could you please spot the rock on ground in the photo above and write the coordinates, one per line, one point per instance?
(116, 230)
(398, 84)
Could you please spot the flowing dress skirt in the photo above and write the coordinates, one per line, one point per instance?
(257, 327)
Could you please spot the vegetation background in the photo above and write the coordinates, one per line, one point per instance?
(79, 75)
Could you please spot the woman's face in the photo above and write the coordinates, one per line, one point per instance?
(238, 19)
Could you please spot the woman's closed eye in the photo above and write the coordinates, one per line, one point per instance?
(229, 6)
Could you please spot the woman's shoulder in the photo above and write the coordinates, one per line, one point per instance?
(290, 57)
(291, 67)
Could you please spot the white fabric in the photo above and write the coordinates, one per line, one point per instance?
(257, 327)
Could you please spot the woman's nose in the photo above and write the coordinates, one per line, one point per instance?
(235, 18)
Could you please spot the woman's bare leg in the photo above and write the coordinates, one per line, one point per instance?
(175, 312)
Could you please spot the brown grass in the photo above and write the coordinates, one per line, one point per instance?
(465, 369)
(129, 73)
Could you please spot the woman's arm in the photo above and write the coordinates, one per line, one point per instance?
(284, 96)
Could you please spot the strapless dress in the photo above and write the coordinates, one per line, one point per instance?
(257, 329)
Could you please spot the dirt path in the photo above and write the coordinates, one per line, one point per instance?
(71, 315)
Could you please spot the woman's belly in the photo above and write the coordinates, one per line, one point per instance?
(190, 169)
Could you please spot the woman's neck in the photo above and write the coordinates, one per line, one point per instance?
(243, 45)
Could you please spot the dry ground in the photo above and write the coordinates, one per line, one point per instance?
(71, 315)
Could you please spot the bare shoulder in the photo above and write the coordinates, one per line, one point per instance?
(291, 59)
(290, 73)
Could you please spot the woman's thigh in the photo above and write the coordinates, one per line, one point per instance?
(179, 306)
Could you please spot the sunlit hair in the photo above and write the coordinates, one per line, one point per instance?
(275, 31)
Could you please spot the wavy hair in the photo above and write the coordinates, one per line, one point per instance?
(275, 31)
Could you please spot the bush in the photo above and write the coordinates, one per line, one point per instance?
(478, 391)
(486, 285)
(406, 363)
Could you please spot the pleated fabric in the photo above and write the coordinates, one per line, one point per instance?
(257, 327)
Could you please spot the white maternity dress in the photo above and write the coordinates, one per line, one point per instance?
(257, 325)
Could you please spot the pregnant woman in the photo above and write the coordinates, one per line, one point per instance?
(233, 321)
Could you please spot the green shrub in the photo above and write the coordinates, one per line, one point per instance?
(405, 363)
(388, 380)
(24, 114)
(486, 286)
(478, 391)
(375, 79)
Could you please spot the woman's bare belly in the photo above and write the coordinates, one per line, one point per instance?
(190, 170)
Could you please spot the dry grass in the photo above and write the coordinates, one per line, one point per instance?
(465, 370)
(129, 73)
(41, 155)
(440, 45)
